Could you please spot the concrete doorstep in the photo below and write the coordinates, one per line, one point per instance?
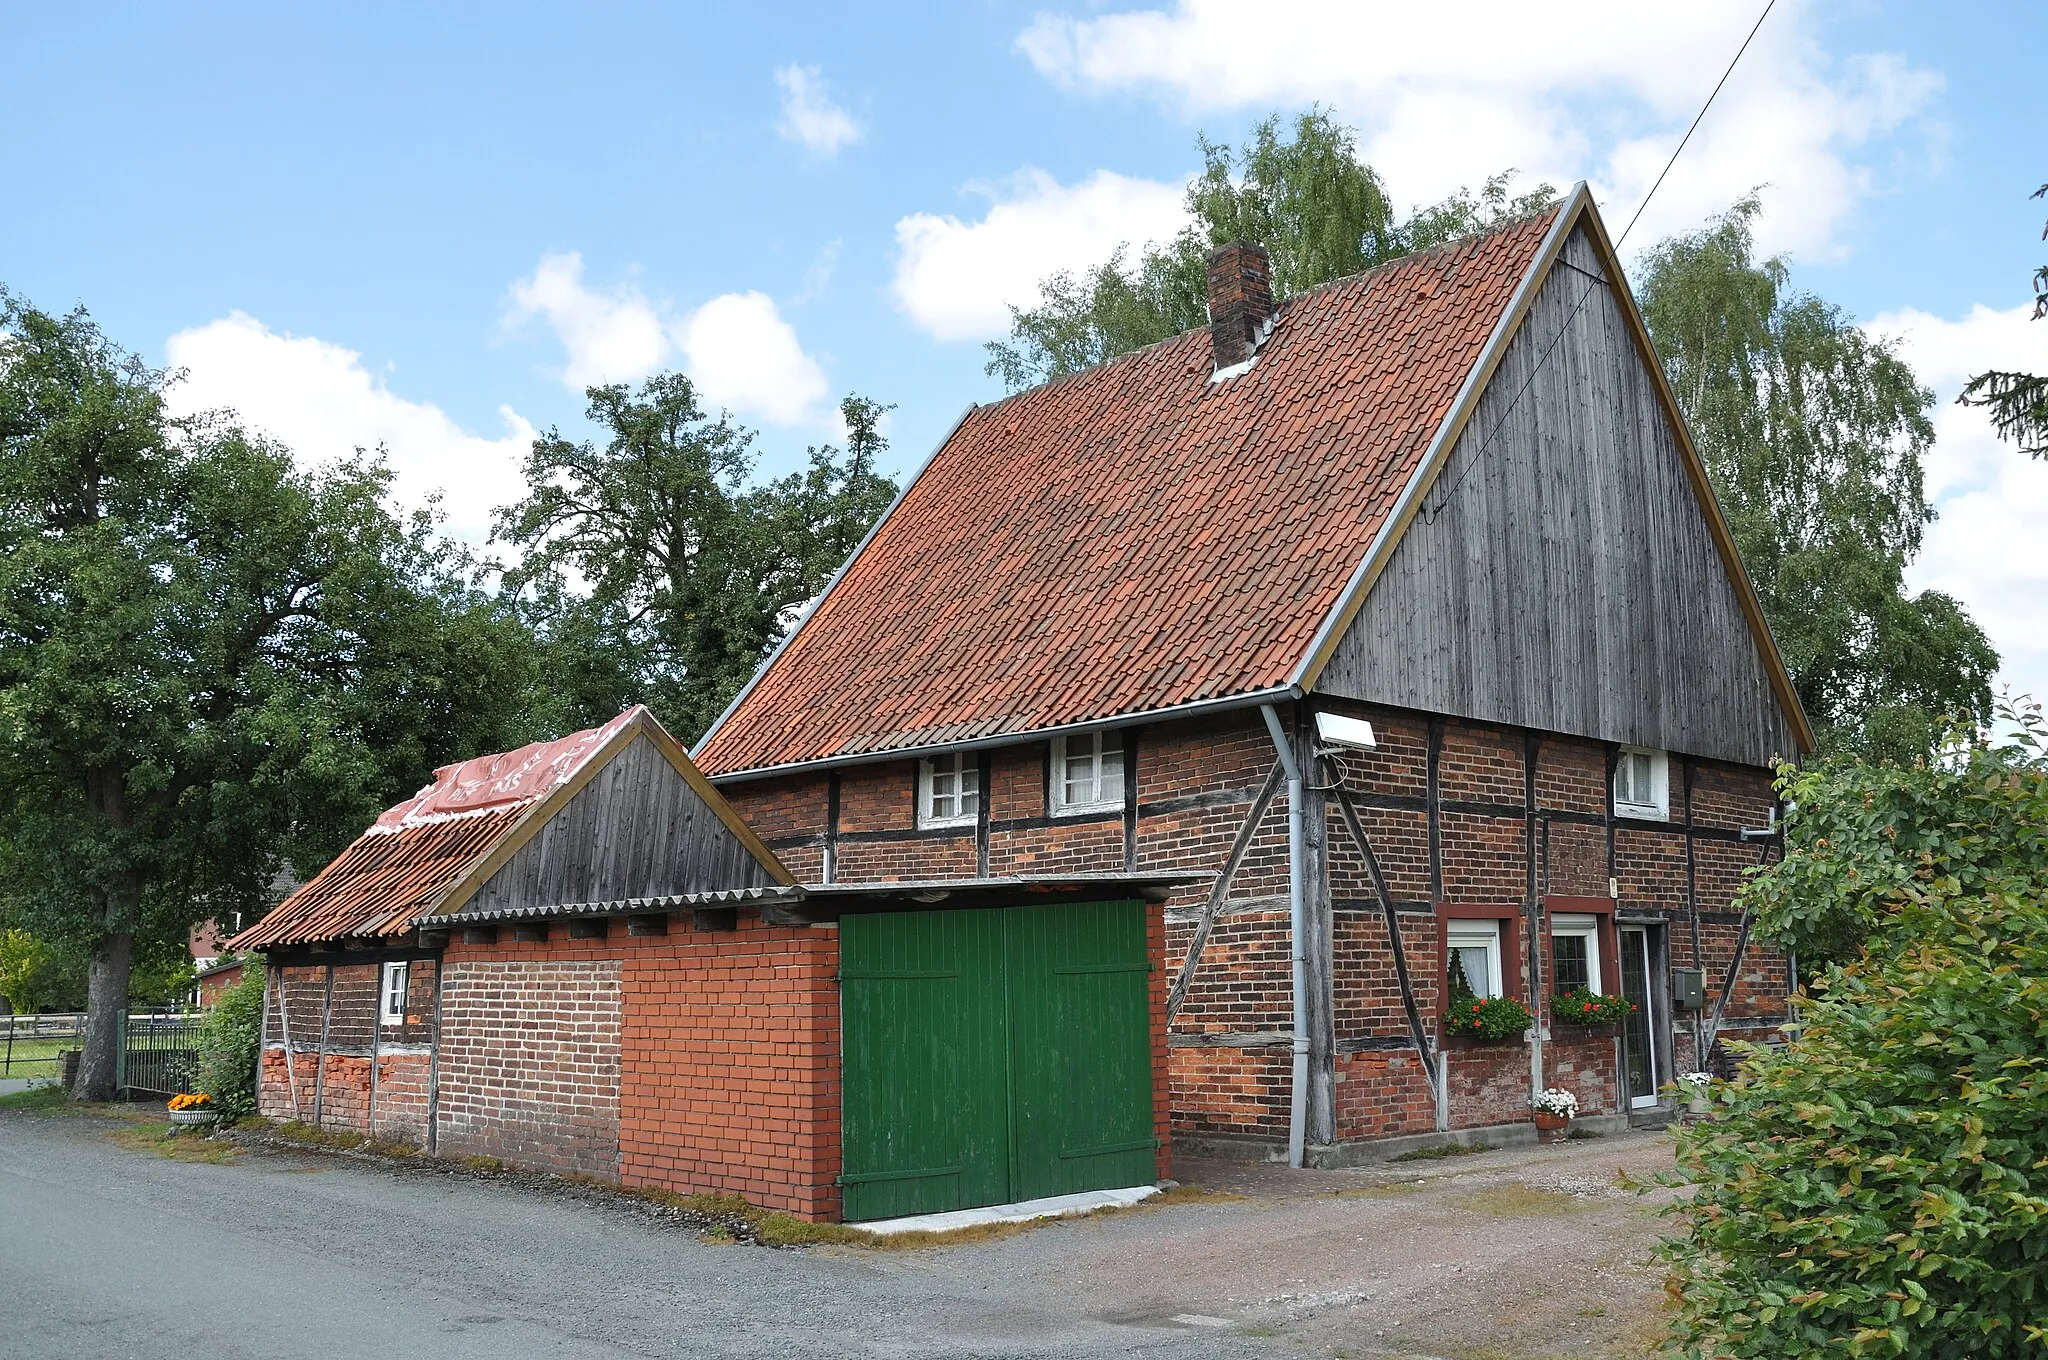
(1052, 1206)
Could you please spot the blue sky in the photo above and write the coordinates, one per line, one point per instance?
(428, 227)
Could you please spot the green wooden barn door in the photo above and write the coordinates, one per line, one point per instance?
(992, 1056)
(1081, 1043)
(925, 1066)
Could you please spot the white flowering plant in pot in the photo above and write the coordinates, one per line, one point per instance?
(1695, 1084)
(1555, 1101)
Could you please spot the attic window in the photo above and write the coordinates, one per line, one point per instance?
(395, 982)
(948, 790)
(1087, 773)
(1642, 785)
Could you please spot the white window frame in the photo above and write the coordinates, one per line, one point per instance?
(963, 768)
(1093, 747)
(1656, 807)
(1463, 932)
(1588, 929)
(396, 983)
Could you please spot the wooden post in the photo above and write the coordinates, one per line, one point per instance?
(1220, 889)
(829, 871)
(284, 1020)
(1702, 1040)
(376, 1043)
(1532, 909)
(320, 1063)
(1432, 1064)
(434, 1060)
(984, 771)
(1131, 800)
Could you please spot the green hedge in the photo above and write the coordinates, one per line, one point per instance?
(1880, 1186)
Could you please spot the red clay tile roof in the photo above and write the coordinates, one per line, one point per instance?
(1135, 537)
(415, 852)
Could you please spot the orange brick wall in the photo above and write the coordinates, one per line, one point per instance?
(725, 1069)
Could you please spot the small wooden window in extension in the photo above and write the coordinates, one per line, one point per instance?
(395, 980)
(1087, 773)
(948, 790)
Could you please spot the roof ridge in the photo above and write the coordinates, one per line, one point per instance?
(1384, 266)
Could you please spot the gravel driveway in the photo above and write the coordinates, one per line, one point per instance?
(112, 1252)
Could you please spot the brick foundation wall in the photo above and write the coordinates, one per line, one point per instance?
(530, 1060)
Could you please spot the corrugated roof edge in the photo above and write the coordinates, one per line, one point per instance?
(629, 906)
(823, 595)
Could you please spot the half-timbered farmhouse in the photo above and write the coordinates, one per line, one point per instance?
(1402, 610)
(1187, 735)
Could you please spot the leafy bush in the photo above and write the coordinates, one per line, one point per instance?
(1584, 1006)
(1880, 1186)
(230, 1039)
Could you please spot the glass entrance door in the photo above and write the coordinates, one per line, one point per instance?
(1638, 1031)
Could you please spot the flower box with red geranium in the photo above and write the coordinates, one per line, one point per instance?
(1583, 1006)
(1496, 1018)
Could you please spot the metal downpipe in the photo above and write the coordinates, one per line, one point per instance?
(1297, 931)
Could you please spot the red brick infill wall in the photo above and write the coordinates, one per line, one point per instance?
(1195, 781)
(339, 1092)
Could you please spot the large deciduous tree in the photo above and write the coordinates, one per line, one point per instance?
(657, 570)
(1320, 212)
(211, 663)
(1814, 433)
(2018, 402)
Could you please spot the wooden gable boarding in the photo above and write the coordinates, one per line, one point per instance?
(638, 821)
(1564, 567)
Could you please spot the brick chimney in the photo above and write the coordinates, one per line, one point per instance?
(1240, 300)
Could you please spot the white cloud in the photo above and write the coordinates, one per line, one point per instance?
(1986, 549)
(614, 336)
(743, 355)
(737, 347)
(1560, 100)
(809, 116)
(958, 279)
(319, 400)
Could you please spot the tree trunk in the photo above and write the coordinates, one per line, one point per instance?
(106, 977)
(106, 999)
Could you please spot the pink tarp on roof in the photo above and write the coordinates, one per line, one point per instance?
(492, 782)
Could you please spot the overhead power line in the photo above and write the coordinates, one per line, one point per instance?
(1444, 498)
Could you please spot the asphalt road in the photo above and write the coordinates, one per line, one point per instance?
(110, 1252)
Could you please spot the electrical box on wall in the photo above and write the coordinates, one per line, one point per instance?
(1688, 989)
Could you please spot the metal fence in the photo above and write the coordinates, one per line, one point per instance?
(159, 1052)
(32, 1042)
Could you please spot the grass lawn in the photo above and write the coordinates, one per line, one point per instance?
(32, 1057)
